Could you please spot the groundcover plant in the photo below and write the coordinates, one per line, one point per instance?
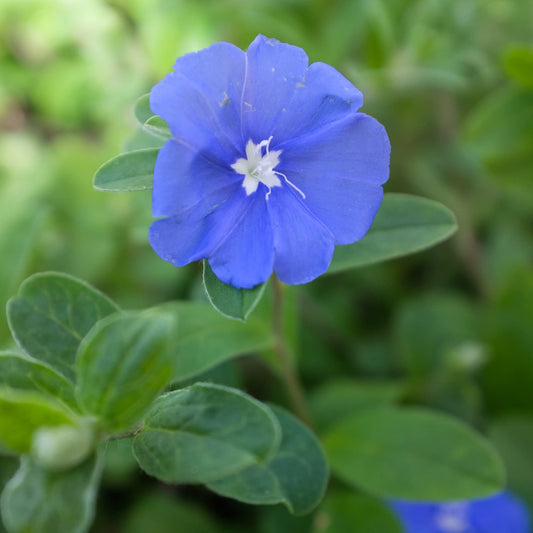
(251, 357)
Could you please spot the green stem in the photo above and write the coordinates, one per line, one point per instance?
(288, 371)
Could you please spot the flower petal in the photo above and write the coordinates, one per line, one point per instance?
(322, 98)
(245, 258)
(273, 71)
(185, 180)
(201, 100)
(303, 245)
(182, 240)
(340, 170)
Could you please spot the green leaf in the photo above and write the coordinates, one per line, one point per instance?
(205, 432)
(23, 412)
(518, 63)
(22, 373)
(413, 454)
(142, 110)
(296, 476)
(228, 300)
(344, 511)
(403, 225)
(132, 171)
(157, 127)
(122, 365)
(52, 313)
(343, 397)
(513, 438)
(207, 338)
(38, 501)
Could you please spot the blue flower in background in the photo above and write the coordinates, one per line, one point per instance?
(502, 513)
(269, 165)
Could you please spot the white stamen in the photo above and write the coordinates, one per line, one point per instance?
(258, 167)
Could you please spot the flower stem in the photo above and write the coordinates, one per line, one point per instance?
(288, 371)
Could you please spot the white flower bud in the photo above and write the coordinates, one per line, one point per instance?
(63, 447)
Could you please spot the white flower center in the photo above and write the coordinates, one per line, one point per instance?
(258, 167)
(453, 518)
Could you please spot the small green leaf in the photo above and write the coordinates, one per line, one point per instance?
(131, 171)
(344, 511)
(122, 365)
(343, 397)
(38, 501)
(23, 412)
(207, 338)
(142, 110)
(52, 313)
(157, 127)
(205, 432)
(23, 373)
(403, 225)
(296, 476)
(228, 300)
(413, 454)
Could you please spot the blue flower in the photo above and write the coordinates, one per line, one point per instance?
(269, 165)
(502, 513)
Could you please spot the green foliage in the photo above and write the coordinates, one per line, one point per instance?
(50, 502)
(204, 433)
(132, 171)
(122, 365)
(449, 329)
(413, 454)
(51, 314)
(403, 225)
(231, 302)
(296, 475)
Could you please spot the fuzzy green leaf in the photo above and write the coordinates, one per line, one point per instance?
(413, 454)
(403, 225)
(228, 300)
(296, 476)
(205, 432)
(52, 313)
(122, 365)
(131, 171)
(39, 501)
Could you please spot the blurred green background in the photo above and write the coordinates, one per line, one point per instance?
(452, 81)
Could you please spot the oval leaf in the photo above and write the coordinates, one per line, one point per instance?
(228, 300)
(122, 365)
(132, 171)
(157, 127)
(403, 225)
(206, 338)
(413, 454)
(296, 476)
(142, 109)
(52, 313)
(23, 412)
(205, 432)
(51, 502)
(22, 373)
